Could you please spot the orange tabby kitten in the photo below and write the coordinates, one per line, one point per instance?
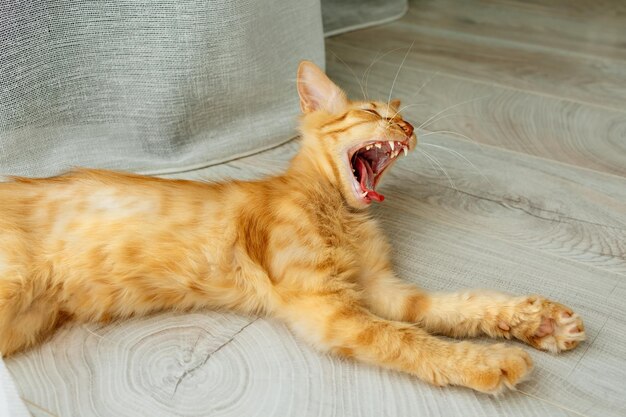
(95, 246)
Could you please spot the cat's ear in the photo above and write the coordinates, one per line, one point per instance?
(317, 91)
(395, 104)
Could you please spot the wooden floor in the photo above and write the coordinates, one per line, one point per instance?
(523, 105)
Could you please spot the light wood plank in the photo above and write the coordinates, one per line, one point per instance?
(578, 215)
(552, 128)
(497, 61)
(593, 28)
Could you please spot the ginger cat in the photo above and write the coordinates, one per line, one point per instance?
(94, 245)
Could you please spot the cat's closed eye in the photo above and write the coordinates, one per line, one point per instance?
(371, 111)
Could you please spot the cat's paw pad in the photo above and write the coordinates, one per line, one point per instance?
(562, 330)
(547, 325)
(499, 368)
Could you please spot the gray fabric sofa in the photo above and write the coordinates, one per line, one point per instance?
(156, 86)
(149, 86)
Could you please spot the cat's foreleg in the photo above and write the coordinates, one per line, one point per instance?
(541, 323)
(338, 323)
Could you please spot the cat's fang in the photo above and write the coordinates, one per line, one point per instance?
(392, 145)
(405, 150)
(378, 145)
(368, 147)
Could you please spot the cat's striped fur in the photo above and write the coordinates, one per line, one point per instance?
(300, 247)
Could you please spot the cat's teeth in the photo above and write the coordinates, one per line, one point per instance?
(368, 147)
(364, 194)
(392, 145)
(378, 145)
(405, 150)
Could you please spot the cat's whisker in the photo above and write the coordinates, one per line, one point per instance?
(569, 410)
(435, 169)
(452, 151)
(432, 158)
(398, 73)
(441, 117)
(451, 132)
(423, 135)
(377, 58)
(413, 95)
(471, 140)
(352, 71)
(389, 119)
(450, 108)
(364, 74)
(425, 84)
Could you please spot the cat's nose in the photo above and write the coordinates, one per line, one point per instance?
(406, 127)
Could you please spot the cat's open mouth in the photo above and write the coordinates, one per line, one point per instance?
(369, 161)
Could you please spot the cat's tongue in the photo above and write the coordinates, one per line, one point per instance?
(367, 177)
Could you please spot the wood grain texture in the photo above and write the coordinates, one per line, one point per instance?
(595, 29)
(543, 210)
(492, 59)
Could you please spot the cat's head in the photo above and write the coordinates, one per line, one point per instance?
(353, 142)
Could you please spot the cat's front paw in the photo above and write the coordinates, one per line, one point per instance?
(496, 368)
(545, 325)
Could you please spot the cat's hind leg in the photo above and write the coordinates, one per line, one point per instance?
(543, 324)
(27, 314)
(29, 308)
